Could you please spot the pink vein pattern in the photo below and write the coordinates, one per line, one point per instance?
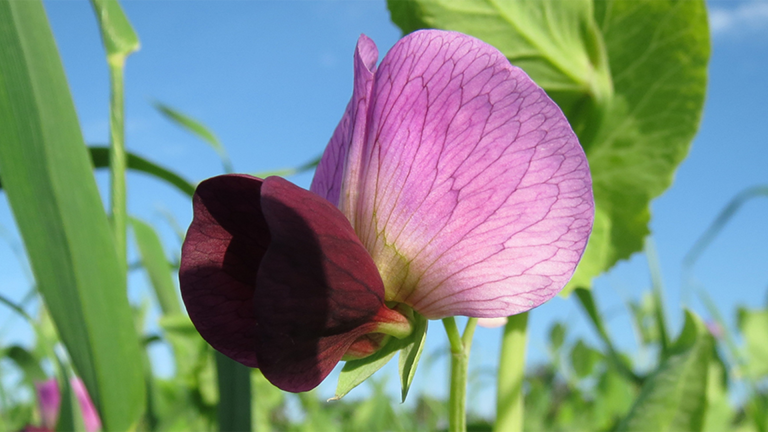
(470, 190)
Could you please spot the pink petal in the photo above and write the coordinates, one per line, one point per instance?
(49, 398)
(475, 196)
(91, 419)
(492, 322)
(342, 155)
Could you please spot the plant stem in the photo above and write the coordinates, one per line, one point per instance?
(460, 347)
(509, 397)
(117, 158)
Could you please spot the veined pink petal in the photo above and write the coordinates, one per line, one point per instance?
(341, 159)
(474, 194)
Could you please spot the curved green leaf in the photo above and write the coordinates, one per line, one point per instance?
(50, 185)
(674, 398)
(100, 159)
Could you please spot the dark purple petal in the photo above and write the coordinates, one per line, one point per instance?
(219, 261)
(318, 290)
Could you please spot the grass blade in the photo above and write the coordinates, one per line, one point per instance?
(100, 159)
(48, 180)
(198, 129)
(156, 264)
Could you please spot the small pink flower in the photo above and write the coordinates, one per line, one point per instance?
(49, 398)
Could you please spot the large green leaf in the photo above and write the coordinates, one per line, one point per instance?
(49, 183)
(630, 77)
(674, 398)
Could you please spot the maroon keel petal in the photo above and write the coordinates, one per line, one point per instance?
(318, 289)
(219, 261)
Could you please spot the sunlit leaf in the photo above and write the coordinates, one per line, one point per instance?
(674, 398)
(355, 372)
(49, 182)
(754, 329)
(410, 355)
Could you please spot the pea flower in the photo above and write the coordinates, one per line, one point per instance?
(453, 185)
(49, 400)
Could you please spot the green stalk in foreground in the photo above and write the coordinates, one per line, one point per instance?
(460, 347)
(120, 40)
(509, 396)
(117, 158)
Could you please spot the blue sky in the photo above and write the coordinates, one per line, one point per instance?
(272, 80)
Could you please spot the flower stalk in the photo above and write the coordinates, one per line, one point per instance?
(460, 347)
(117, 158)
(509, 396)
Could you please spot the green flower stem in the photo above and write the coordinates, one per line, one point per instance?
(117, 157)
(509, 396)
(460, 347)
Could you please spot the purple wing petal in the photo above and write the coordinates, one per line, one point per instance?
(475, 197)
(219, 261)
(341, 158)
(318, 289)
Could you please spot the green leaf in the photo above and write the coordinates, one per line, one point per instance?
(720, 414)
(587, 301)
(410, 355)
(156, 264)
(100, 159)
(120, 40)
(658, 53)
(674, 398)
(754, 329)
(630, 77)
(286, 172)
(198, 129)
(556, 336)
(70, 414)
(50, 185)
(355, 372)
(27, 362)
(584, 358)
